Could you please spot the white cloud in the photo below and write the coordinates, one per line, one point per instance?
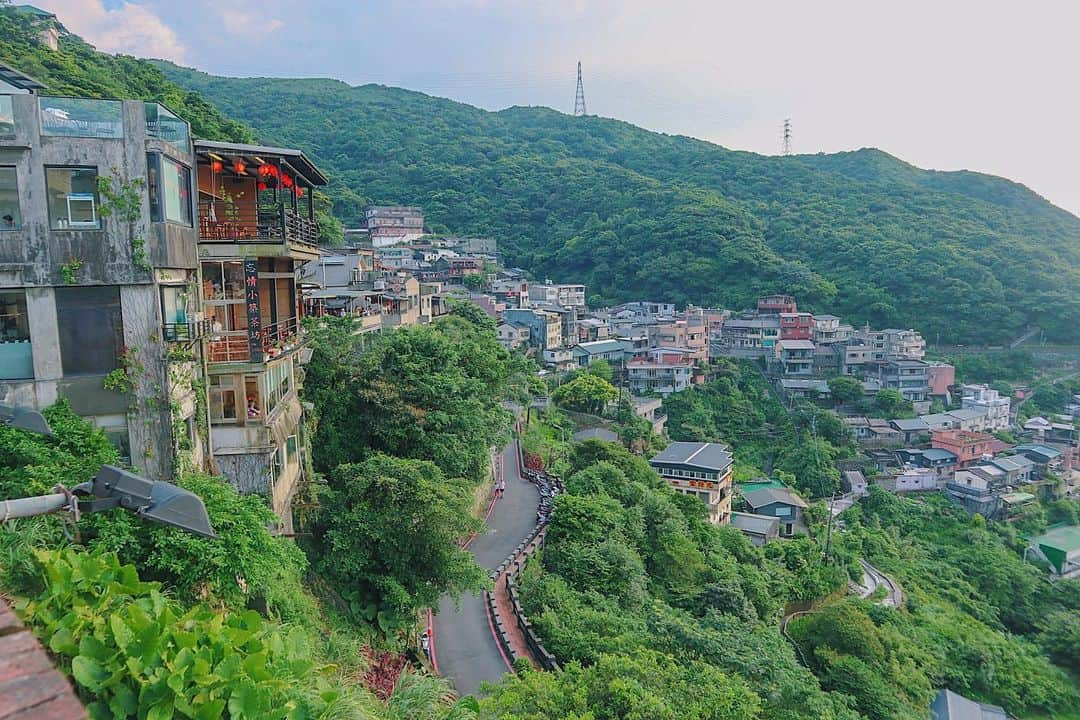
(126, 28)
(247, 22)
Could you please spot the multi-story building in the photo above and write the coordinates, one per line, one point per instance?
(513, 335)
(99, 269)
(828, 330)
(701, 470)
(561, 295)
(256, 226)
(454, 270)
(776, 304)
(389, 225)
(795, 357)
(750, 335)
(796, 326)
(893, 344)
(690, 334)
(940, 378)
(545, 328)
(985, 398)
(662, 371)
(968, 447)
(909, 377)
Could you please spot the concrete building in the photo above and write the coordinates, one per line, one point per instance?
(257, 226)
(560, 295)
(940, 378)
(662, 371)
(948, 705)
(389, 225)
(610, 351)
(893, 344)
(989, 401)
(760, 529)
(828, 329)
(909, 378)
(545, 328)
(780, 503)
(750, 335)
(702, 470)
(776, 304)
(513, 335)
(689, 334)
(968, 447)
(795, 358)
(98, 305)
(796, 326)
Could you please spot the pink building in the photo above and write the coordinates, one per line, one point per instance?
(940, 377)
(969, 447)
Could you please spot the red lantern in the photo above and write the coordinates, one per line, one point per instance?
(261, 186)
(264, 170)
(273, 171)
(299, 191)
(239, 167)
(286, 180)
(216, 166)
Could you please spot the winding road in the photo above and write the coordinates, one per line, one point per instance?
(464, 649)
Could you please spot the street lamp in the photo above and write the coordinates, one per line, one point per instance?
(155, 500)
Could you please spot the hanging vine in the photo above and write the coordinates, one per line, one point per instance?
(122, 199)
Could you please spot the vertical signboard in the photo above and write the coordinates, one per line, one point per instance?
(251, 300)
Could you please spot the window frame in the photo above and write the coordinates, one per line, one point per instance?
(95, 207)
(155, 188)
(17, 216)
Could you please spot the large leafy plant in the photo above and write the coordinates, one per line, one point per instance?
(132, 652)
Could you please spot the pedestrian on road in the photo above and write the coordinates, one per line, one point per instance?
(500, 488)
(425, 644)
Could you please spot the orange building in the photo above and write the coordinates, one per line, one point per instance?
(969, 447)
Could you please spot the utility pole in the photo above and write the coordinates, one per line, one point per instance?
(579, 97)
(785, 148)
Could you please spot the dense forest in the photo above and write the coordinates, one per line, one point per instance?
(961, 256)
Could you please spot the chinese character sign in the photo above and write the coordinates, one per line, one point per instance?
(251, 298)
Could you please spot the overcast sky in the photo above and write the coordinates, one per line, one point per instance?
(985, 85)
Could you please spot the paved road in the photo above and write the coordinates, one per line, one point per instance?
(465, 649)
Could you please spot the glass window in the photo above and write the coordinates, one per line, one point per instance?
(176, 191)
(91, 329)
(291, 444)
(278, 383)
(10, 215)
(169, 187)
(222, 398)
(7, 116)
(252, 397)
(16, 356)
(175, 310)
(81, 117)
(73, 198)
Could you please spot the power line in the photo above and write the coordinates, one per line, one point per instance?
(579, 97)
(786, 147)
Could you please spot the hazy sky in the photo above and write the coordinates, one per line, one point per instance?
(951, 84)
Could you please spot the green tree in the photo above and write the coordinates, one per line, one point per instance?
(408, 506)
(845, 389)
(601, 369)
(891, 404)
(586, 392)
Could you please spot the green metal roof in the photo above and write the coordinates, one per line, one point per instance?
(1066, 538)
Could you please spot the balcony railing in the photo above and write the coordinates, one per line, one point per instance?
(250, 221)
(185, 332)
(81, 117)
(234, 346)
(164, 125)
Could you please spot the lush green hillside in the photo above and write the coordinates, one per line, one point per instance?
(80, 70)
(635, 213)
(961, 256)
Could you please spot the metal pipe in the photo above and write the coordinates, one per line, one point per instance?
(32, 506)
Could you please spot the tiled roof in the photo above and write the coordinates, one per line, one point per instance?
(710, 456)
(767, 496)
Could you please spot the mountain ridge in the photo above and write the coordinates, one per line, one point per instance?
(961, 256)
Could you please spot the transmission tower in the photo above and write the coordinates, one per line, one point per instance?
(786, 148)
(579, 97)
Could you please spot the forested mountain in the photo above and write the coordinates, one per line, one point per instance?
(964, 257)
(969, 257)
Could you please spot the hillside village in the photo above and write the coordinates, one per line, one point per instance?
(169, 289)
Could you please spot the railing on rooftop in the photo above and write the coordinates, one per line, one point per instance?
(81, 117)
(7, 117)
(185, 332)
(252, 221)
(163, 124)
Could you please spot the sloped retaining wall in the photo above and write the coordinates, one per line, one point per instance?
(511, 568)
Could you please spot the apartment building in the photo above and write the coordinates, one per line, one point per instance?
(893, 344)
(99, 269)
(701, 470)
(560, 295)
(545, 328)
(777, 304)
(690, 334)
(985, 399)
(796, 326)
(389, 225)
(909, 377)
(829, 329)
(256, 226)
(662, 371)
